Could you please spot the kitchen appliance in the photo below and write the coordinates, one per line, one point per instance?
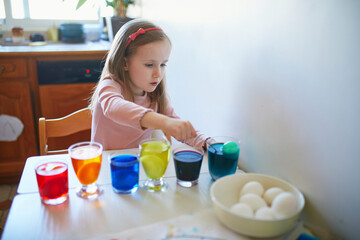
(69, 71)
(92, 32)
(37, 37)
(113, 25)
(72, 33)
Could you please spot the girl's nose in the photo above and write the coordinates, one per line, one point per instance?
(157, 72)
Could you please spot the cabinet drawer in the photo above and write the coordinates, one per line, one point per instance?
(13, 68)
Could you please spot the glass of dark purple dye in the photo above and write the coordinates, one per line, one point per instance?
(187, 161)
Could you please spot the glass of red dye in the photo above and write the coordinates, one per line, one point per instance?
(52, 179)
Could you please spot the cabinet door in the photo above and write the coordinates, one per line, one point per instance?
(15, 100)
(61, 100)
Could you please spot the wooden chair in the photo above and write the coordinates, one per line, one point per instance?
(59, 127)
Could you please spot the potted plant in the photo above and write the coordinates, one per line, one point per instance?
(120, 18)
(120, 6)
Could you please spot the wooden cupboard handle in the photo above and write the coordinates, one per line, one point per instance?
(2, 69)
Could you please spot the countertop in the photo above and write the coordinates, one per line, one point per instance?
(55, 47)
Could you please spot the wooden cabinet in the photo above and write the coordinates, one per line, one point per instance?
(16, 101)
(13, 68)
(21, 96)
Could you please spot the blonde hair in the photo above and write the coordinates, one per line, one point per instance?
(115, 62)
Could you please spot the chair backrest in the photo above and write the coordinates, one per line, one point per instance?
(59, 127)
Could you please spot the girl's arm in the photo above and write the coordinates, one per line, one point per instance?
(180, 129)
(198, 141)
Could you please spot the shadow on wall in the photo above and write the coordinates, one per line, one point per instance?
(273, 139)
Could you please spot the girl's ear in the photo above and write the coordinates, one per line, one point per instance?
(126, 68)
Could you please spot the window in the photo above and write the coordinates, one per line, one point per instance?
(2, 9)
(43, 14)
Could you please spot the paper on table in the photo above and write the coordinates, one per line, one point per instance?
(202, 225)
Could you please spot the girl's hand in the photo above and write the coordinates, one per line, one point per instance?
(178, 128)
(181, 130)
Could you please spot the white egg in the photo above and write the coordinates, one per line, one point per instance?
(253, 200)
(265, 213)
(285, 205)
(252, 187)
(271, 193)
(242, 209)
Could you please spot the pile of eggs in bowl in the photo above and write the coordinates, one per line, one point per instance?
(272, 203)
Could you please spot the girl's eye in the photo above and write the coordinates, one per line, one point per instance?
(163, 65)
(148, 64)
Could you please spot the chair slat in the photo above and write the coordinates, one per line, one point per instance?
(60, 127)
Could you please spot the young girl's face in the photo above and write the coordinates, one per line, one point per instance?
(146, 67)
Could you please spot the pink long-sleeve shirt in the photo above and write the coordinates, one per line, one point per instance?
(116, 121)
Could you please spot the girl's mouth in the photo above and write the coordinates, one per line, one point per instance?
(154, 84)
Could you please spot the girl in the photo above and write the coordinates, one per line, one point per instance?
(129, 101)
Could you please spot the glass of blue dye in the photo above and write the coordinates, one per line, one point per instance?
(223, 154)
(187, 161)
(124, 167)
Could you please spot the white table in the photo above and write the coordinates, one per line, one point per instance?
(110, 213)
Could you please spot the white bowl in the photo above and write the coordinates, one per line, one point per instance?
(225, 192)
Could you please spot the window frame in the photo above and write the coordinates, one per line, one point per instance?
(35, 24)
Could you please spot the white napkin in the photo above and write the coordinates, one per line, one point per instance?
(201, 225)
(10, 128)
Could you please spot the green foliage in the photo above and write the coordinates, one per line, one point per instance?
(80, 3)
(111, 3)
(128, 2)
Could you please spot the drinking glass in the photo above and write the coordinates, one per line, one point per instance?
(223, 154)
(52, 179)
(154, 157)
(187, 161)
(86, 160)
(124, 168)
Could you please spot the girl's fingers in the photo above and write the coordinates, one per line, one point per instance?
(181, 130)
(168, 137)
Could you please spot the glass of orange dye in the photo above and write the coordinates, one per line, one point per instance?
(86, 161)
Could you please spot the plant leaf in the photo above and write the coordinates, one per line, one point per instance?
(110, 3)
(80, 3)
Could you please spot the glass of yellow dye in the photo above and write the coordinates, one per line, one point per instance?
(154, 157)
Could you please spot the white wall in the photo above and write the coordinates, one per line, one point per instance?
(284, 77)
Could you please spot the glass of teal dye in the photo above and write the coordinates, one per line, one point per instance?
(187, 161)
(223, 155)
(124, 167)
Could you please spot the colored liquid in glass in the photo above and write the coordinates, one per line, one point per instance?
(155, 158)
(52, 178)
(220, 163)
(124, 173)
(86, 161)
(187, 165)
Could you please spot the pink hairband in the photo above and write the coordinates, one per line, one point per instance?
(141, 31)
